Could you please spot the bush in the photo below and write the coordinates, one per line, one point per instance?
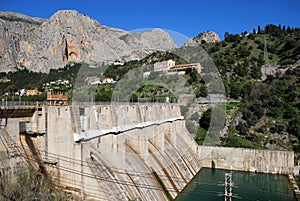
(29, 185)
(205, 119)
(200, 136)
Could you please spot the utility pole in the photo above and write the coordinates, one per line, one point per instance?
(228, 187)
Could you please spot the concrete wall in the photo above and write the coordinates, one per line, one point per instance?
(119, 166)
(264, 161)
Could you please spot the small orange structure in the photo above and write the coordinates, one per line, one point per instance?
(32, 92)
(57, 97)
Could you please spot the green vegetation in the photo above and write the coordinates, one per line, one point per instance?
(104, 93)
(40, 97)
(201, 135)
(240, 56)
(274, 105)
(268, 110)
(118, 71)
(30, 186)
(32, 80)
(153, 93)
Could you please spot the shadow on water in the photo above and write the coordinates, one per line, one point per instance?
(208, 185)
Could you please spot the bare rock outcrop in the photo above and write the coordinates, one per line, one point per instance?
(68, 36)
(205, 37)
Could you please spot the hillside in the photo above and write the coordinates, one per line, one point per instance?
(68, 36)
(267, 114)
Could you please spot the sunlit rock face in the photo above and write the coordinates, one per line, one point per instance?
(68, 36)
(205, 37)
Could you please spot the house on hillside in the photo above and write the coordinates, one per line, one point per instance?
(164, 65)
(32, 92)
(108, 80)
(169, 67)
(57, 97)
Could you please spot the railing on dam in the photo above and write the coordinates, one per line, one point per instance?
(21, 103)
(41, 103)
(120, 103)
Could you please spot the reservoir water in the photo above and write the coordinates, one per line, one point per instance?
(208, 185)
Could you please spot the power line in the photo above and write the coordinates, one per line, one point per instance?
(86, 164)
(122, 182)
(115, 180)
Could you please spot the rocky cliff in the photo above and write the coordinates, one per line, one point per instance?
(205, 37)
(68, 36)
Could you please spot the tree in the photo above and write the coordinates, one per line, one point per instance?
(283, 28)
(194, 75)
(242, 128)
(226, 35)
(203, 91)
(256, 72)
(30, 185)
(205, 119)
(235, 90)
(258, 30)
(11, 89)
(200, 136)
(294, 127)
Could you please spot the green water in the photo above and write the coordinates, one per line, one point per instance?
(207, 186)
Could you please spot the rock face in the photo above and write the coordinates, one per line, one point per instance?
(68, 36)
(205, 37)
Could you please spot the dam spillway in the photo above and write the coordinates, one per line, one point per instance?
(110, 152)
(118, 151)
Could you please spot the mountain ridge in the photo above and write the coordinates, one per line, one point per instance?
(67, 36)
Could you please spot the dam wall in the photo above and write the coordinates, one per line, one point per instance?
(151, 155)
(252, 160)
(123, 152)
(136, 164)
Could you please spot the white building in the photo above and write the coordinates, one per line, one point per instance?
(164, 65)
(146, 74)
(108, 80)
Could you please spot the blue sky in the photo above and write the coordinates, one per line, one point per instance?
(188, 17)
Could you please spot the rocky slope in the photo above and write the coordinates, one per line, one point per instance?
(68, 36)
(205, 37)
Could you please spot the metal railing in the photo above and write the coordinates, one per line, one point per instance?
(34, 103)
(20, 103)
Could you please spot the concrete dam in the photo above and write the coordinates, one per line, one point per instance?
(118, 151)
(105, 152)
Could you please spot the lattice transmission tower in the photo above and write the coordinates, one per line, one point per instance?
(228, 187)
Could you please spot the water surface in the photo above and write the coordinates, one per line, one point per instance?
(208, 186)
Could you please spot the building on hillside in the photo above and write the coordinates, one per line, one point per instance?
(146, 74)
(108, 80)
(57, 97)
(182, 67)
(169, 67)
(164, 65)
(32, 92)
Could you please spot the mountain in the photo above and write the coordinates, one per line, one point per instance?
(203, 38)
(68, 36)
